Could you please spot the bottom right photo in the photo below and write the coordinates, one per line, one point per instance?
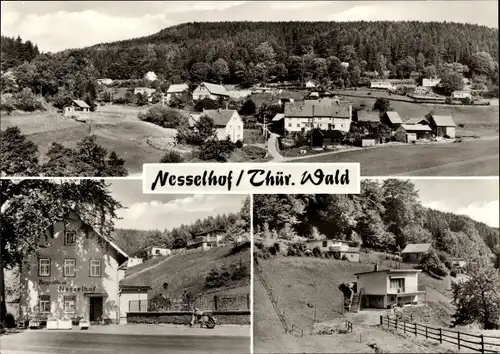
(406, 266)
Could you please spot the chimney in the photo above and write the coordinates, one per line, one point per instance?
(376, 267)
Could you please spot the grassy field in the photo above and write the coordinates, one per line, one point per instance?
(302, 284)
(469, 158)
(188, 271)
(116, 127)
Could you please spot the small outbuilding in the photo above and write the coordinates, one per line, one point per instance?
(414, 252)
(407, 133)
(77, 108)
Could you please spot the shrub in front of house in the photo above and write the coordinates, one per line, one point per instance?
(296, 249)
(316, 252)
(453, 273)
(172, 156)
(308, 253)
(239, 144)
(344, 258)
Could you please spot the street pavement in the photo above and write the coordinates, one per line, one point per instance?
(83, 342)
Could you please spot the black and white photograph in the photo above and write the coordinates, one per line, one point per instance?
(97, 89)
(94, 266)
(406, 266)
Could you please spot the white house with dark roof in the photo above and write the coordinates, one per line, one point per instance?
(414, 252)
(228, 123)
(208, 90)
(442, 125)
(325, 114)
(175, 90)
(430, 82)
(385, 288)
(77, 108)
(460, 95)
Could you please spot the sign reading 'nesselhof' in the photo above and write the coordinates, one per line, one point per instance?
(252, 178)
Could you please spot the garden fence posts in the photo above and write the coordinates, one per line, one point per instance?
(482, 343)
(404, 326)
(458, 338)
(415, 324)
(248, 301)
(425, 332)
(396, 323)
(216, 302)
(440, 336)
(381, 320)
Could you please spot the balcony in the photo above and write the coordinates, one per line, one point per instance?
(407, 290)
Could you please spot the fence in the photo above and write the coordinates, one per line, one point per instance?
(481, 342)
(288, 326)
(348, 326)
(207, 303)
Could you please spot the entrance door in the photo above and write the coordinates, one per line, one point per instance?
(95, 308)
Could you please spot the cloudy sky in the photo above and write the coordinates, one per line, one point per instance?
(162, 211)
(476, 198)
(58, 25)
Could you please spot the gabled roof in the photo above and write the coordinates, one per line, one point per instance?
(394, 117)
(416, 121)
(177, 88)
(81, 103)
(417, 248)
(319, 108)
(392, 271)
(215, 89)
(416, 127)
(368, 116)
(220, 116)
(443, 121)
(278, 116)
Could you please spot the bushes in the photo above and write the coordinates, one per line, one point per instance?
(218, 150)
(433, 265)
(164, 117)
(453, 273)
(223, 275)
(172, 156)
(239, 144)
(316, 252)
(296, 249)
(10, 321)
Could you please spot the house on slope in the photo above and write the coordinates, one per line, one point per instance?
(152, 252)
(392, 119)
(340, 246)
(208, 90)
(414, 252)
(407, 133)
(77, 108)
(325, 114)
(228, 123)
(206, 240)
(384, 288)
(368, 116)
(104, 81)
(430, 82)
(150, 76)
(442, 126)
(145, 91)
(175, 91)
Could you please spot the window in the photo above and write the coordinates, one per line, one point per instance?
(70, 238)
(69, 267)
(397, 283)
(44, 267)
(325, 243)
(298, 125)
(157, 251)
(289, 125)
(95, 267)
(69, 303)
(44, 303)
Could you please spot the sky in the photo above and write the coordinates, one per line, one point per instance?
(164, 211)
(59, 25)
(476, 198)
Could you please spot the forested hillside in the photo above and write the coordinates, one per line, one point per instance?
(245, 51)
(234, 224)
(385, 216)
(14, 52)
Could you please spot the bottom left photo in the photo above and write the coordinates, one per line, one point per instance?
(98, 266)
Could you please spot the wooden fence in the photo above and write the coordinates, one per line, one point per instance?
(348, 326)
(479, 343)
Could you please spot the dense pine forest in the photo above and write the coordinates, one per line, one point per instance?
(14, 52)
(234, 224)
(386, 216)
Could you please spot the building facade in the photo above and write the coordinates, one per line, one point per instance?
(385, 288)
(324, 114)
(77, 108)
(228, 123)
(75, 274)
(414, 252)
(211, 91)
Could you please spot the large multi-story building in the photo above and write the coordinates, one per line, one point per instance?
(324, 114)
(75, 273)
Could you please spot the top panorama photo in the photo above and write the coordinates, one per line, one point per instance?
(405, 88)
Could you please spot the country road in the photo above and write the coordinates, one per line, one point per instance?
(41, 342)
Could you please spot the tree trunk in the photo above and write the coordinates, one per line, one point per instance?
(3, 305)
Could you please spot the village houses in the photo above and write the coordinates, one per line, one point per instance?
(408, 133)
(384, 288)
(228, 123)
(152, 252)
(208, 90)
(145, 91)
(206, 240)
(77, 108)
(414, 252)
(175, 91)
(341, 246)
(442, 126)
(325, 114)
(392, 120)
